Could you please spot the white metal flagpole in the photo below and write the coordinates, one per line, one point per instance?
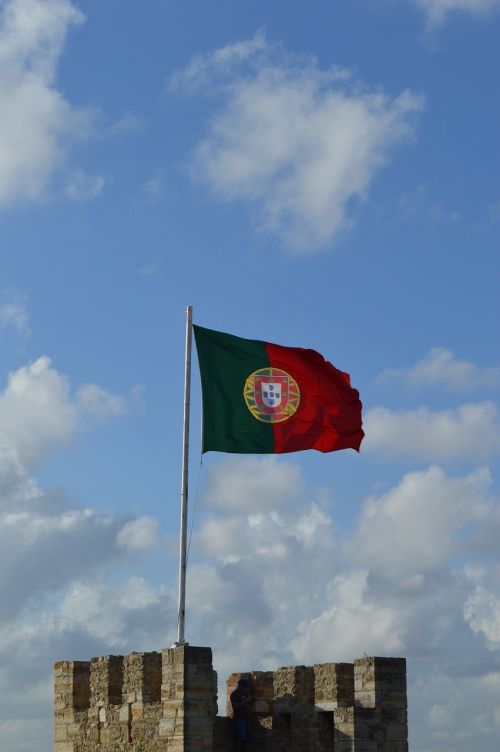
(184, 482)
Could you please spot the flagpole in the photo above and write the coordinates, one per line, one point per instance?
(184, 482)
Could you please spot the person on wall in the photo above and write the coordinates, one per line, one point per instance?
(240, 703)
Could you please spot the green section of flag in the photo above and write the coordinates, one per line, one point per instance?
(225, 364)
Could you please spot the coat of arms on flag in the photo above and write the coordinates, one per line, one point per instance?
(271, 395)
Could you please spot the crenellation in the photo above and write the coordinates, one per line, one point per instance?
(380, 691)
(142, 675)
(72, 687)
(167, 702)
(72, 700)
(262, 690)
(333, 686)
(293, 689)
(379, 679)
(106, 680)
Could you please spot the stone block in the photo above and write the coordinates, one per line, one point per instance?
(61, 733)
(167, 727)
(137, 711)
(64, 747)
(125, 714)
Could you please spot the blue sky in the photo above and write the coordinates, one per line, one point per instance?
(320, 175)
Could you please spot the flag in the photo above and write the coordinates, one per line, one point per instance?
(262, 398)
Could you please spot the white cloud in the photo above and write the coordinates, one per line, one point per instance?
(14, 313)
(202, 68)
(99, 403)
(420, 204)
(262, 557)
(297, 143)
(269, 534)
(42, 550)
(43, 543)
(138, 535)
(438, 11)
(274, 581)
(440, 367)
(284, 570)
(457, 710)
(470, 432)
(440, 715)
(281, 584)
(345, 625)
(128, 123)
(482, 608)
(154, 188)
(415, 527)
(251, 484)
(84, 187)
(109, 615)
(23, 734)
(54, 558)
(277, 588)
(38, 413)
(91, 619)
(35, 119)
(279, 570)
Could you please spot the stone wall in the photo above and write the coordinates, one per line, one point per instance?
(167, 702)
(143, 702)
(346, 707)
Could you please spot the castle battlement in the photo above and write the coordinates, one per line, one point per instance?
(167, 702)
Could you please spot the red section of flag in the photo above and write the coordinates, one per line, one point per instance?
(329, 414)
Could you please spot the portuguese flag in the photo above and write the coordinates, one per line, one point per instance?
(262, 398)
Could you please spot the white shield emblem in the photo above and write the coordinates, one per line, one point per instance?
(271, 393)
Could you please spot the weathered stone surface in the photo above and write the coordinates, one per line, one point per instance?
(333, 686)
(167, 702)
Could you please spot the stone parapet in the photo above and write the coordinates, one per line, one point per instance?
(143, 702)
(167, 702)
(346, 707)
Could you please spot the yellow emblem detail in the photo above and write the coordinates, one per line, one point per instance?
(271, 395)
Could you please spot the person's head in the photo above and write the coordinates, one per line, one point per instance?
(243, 683)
